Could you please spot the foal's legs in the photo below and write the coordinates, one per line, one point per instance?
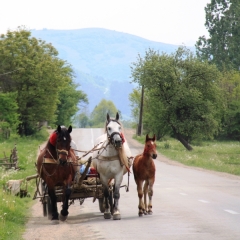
(145, 191)
(150, 194)
(140, 195)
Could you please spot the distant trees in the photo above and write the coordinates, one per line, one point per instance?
(41, 81)
(222, 49)
(69, 97)
(135, 98)
(83, 120)
(98, 115)
(222, 22)
(181, 93)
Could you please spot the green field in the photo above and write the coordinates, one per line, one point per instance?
(13, 209)
(221, 156)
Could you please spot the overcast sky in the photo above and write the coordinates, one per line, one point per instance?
(167, 21)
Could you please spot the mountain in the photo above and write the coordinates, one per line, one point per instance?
(101, 60)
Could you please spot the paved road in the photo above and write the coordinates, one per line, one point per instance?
(188, 204)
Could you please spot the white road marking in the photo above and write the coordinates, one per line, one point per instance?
(230, 211)
(181, 193)
(203, 201)
(92, 137)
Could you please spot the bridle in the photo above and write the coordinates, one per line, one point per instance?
(150, 148)
(61, 152)
(110, 136)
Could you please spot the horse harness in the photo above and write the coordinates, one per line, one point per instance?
(112, 158)
(53, 161)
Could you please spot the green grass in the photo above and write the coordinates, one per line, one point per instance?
(221, 156)
(13, 209)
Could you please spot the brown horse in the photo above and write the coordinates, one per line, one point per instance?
(56, 166)
(144, 170)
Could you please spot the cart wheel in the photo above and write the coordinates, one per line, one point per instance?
(49, 208)
(42, 191)
(44, 208)
(101, 206)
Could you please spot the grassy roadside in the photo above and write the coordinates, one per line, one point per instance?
(13, 209)
(221, 156)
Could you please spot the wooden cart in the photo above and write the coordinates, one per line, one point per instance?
(87, 186)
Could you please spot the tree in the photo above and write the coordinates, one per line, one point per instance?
(222, 22)
(154, 116)
(230, 83)
(69, 99)
(83, 120)
(152, 112)
(9, 117)
(35, 73)
(135, 98)
(185, 88)
(98, 115)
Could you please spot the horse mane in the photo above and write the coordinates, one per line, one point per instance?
(123, 157)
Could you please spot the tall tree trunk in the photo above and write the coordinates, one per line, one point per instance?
(184, 142)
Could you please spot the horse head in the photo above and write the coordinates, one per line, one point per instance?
(63, 141)
(114, 131)
(150, 146)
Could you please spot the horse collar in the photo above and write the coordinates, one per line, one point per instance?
(53, 138)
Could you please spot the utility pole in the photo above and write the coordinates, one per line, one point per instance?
(139, 132)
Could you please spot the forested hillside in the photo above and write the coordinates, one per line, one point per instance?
(101, 60)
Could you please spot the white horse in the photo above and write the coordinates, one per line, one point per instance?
(112, 161)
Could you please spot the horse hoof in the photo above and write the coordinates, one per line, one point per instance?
(117, 216)
(62, 218)
(150, 212)
(107, 215)
(140, 214)
(54, 221)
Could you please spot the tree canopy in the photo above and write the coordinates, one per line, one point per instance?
(9, 118)
(98, 115)
(222, 49)
(134, 98)
(222, 22)
(31, 68)
(182, 93)
(69, 97)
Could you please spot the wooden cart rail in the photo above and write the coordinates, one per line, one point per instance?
(85, 191)
(11, 161)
